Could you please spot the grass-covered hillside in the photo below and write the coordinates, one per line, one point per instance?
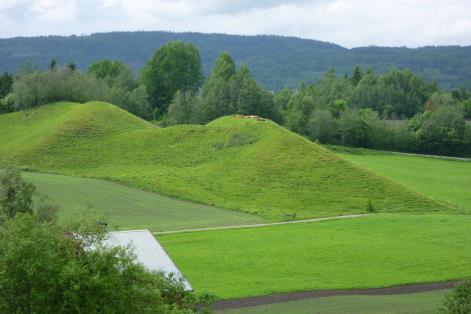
(441, 179)
(233, 162)
(127, 208)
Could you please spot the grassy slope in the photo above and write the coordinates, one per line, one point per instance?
(440, 179)
(415, 303)
(130, 208)
(255, 166)
(374, 251)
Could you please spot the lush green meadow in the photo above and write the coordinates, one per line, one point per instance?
(130, 208)
(239, 163)
(441, 179)
(414, 303)
(373, 251)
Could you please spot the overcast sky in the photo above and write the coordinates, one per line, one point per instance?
(350, 23)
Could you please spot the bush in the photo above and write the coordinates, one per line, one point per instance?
(370, 208)
(44, 268)
(459, 300)
(7, 104)
(16, 195)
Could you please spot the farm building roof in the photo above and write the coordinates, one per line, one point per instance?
(147, 249)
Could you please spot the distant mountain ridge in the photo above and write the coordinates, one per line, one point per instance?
(275, 61)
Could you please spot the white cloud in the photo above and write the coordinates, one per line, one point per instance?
(53, 11)
(347, 22)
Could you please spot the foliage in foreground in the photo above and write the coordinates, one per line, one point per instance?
(459, 300)
(44, 268)
(47, 267)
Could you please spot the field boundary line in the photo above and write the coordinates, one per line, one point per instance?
(433, 156)
(303, 295)
(263, 224)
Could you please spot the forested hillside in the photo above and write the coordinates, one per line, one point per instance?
(275, 61)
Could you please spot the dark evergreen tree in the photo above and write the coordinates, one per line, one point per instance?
(53, 64)
(71, 66)
(357, 75)
(6, 84)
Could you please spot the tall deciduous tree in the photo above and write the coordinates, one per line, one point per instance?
(219, 92)
(181, 110)
(115, 73)
(175, 66)
(229, 91)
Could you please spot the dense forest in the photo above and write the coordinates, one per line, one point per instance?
(275, 62)
(396, 110)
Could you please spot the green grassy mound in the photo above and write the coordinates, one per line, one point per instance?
(128, 208)
(239, 163)
(373, 251)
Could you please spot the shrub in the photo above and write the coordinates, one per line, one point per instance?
(44, 268)
(459, 300)
(370, 208)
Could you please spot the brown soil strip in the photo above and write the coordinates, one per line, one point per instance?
(294, 296)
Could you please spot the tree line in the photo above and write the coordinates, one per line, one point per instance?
(392, 111)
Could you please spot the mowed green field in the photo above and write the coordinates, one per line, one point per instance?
(440, 179)
(373, 251)
(130, 208)
(254, 166)
(414, 303)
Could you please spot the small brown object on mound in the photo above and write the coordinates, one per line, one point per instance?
(250, 117)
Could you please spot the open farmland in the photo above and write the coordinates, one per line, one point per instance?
(128, 208)
(374, 251)
(440, 179)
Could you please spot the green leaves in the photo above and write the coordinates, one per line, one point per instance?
(174, 66)
(459, 300)
(46, 268)
(229, 91)
(15, 194)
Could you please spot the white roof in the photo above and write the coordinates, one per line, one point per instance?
(147, 249)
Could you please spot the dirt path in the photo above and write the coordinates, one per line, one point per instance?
(294, 296)
(434, 156)
(263, 225)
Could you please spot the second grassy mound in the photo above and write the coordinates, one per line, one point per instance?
(233, 162)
